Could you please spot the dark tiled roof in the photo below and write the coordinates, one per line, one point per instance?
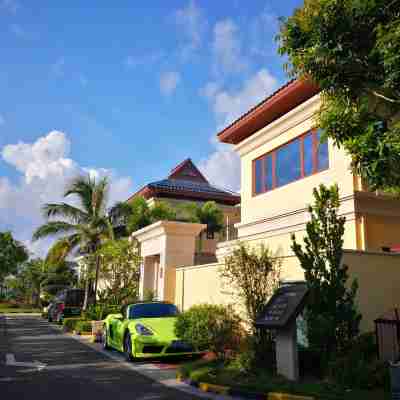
(189, 186)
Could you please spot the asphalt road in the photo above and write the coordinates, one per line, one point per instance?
(72, 370)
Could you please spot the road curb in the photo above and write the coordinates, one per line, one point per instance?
(231, 391)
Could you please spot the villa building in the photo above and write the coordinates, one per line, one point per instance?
(282, 161)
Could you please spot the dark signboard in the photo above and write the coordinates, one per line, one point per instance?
(284, 306)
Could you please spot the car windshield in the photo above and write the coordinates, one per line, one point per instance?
(152, 310)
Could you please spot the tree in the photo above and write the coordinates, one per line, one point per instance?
(137, 214)
(254, 275)
(351, 48)
(79, 230)
(120, 271)
(58, 276)
(208, 213)
(12, 254)
(331, 316)
(27, 281)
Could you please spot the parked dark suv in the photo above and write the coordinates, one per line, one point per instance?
(67, 303)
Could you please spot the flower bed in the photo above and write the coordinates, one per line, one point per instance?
(229, 379)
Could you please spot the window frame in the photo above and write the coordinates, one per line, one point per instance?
(273, 153)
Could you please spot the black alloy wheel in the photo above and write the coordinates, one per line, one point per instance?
(128, 347)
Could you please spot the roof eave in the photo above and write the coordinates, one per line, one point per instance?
(281, 102)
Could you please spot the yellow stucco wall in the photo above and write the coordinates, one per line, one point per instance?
(296, 195)
(382, 231)
(378, 276)
(200, 284)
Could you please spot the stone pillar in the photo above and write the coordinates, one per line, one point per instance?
(141, 281)
(286, 352)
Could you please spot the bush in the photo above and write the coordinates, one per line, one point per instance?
(209, 327)
(69, 324)
(100, 311)
(359, 367)
(83, 326)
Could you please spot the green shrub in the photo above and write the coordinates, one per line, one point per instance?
(209, 327)
(69, 324)
(359, 366)
(83, 326)
(100, 311)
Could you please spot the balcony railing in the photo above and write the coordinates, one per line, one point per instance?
(229, 232)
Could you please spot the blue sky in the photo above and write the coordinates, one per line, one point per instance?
(128, 90)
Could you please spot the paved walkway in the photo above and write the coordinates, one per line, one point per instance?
(37, 361)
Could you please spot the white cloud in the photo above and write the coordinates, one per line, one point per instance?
(169, 82)
(230, 104)
(45, 168)
(227, 48)
(263, 31)
(192, 23)
(223, 165)
(222, 168)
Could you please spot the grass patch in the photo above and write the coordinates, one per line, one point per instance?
(261, 382)
(10, 308)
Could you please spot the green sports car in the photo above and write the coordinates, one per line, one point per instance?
(144, 330)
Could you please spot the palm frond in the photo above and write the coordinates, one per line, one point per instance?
(64, 210)
(62, 248)
(83, 187)
(53, 228)
(99, 197)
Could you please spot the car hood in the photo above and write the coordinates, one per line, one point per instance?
(162, 327)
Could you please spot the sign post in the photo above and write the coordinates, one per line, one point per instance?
(280, 314)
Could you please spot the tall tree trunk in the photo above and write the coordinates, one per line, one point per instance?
(96, 277)
(86, 300)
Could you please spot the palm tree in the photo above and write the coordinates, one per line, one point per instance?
(208, 213)
(78, 229)
(137, 214)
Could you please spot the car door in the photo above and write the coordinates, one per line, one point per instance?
(117, 329)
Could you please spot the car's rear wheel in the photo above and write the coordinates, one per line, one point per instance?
(128, 347)
(106, 346)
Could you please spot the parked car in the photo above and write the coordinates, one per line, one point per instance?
(67, 303)
(145, 330)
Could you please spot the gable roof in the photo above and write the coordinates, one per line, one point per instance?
(186, 182)
(283, 100)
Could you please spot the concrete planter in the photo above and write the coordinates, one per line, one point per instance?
(395, 380)
(97, 330)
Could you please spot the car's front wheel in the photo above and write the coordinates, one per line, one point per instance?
(106, 346)
(128, 347)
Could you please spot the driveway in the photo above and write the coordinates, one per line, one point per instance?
(38, 362)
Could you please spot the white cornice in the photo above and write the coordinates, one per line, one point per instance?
(167, 228)
(301, 113)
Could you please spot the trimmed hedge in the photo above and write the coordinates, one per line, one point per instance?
(209, 327)
(83, 326)
(69, 324)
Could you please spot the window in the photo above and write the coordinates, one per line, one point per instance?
(258, 176)
(322, 152)
(297, 159)
(152, 310)
(288, 164)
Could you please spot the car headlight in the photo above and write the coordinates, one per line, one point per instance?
(142, 330)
